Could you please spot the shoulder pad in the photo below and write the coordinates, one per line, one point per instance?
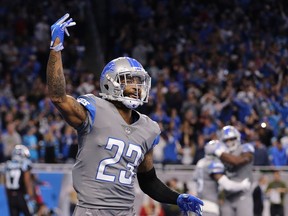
(216, 167)
(248, 147)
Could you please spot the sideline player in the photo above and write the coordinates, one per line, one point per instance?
(239, 166)
(19, 182)
(210, 175)
(115, 141)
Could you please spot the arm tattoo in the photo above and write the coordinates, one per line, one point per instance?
(55, 77)
(78, 108)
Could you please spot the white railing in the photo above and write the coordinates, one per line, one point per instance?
(45, 167)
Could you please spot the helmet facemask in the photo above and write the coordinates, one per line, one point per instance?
(131, 87)
(138, 81)
(231, 137)
(232, 144)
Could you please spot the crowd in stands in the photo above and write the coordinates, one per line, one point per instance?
(212, 63)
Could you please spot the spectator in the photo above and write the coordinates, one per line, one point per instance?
(67, 140)
(276, 191)
(30, 140)
(10, 139)
(261, 157)
(49, 147)
(259, 195)
(151, 207)
(199, 149)
(277, 154)
(172, 149)
(237, 67)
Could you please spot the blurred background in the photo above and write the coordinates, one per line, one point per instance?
(212, 63)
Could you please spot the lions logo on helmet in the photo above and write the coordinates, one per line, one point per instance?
(231, 137)
(118, 74)
(20, 152)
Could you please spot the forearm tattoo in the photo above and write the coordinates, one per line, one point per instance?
(55, 78)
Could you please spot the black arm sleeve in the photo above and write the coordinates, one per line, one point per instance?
(155, 188)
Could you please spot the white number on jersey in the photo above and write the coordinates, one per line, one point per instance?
(125, 176)
(83, 101)
(12, 179)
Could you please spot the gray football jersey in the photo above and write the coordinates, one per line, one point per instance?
(109, 153)
(207, 187)
(239, 173)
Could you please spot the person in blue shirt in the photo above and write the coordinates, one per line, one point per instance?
(277, 153)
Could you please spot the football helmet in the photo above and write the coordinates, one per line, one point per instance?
(120, 73)
(231, 137)
(20, 152)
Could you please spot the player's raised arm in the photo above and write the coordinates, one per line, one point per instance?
(71, 110)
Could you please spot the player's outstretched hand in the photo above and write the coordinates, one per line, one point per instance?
(187, 202)
(58, 29)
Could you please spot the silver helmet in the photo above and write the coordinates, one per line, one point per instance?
(231, 137)
(20, 152)
(118, 74)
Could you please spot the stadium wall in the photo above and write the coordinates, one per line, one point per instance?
(57, 184)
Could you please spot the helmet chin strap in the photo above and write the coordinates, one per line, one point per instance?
(130, 103)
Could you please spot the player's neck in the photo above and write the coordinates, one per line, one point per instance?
(126, 115)
(124, 112)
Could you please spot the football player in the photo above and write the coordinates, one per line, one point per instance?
(18, 182)
(238, 163)
(115, 141)
(210, 177)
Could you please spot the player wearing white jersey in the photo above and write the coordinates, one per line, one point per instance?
(238, 163)
(19, 183)
(115, 141)
(210, 177)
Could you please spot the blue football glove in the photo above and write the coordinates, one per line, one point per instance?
(187, 202)
(58, 29)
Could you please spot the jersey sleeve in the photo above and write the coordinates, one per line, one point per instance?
(216, 167)
(88, 102)
(248, 147)
(156, 134)
(156, 141)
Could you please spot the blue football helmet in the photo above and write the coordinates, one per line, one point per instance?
(118, 74)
